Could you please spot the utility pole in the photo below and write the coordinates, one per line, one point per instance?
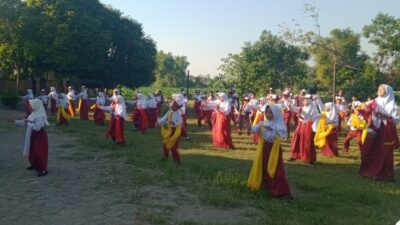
(187, 83)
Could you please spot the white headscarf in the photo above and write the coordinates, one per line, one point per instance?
(386, 105)
(53, 89)
(277, 124)
(29, 93)
(37, 110)
(100, 98)
(224, 104)
(120, 107)
(332, 115)
(151, 103)
(309, 112)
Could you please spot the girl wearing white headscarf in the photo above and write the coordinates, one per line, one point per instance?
(377, 149)
(98, 114)
(151, 112)
(268, 168)
(36, 143)
(221, 131)
(71, 98)
(260, 116)
(83, 107)
(27, 97)
(172, 133)
(53, 97)
(326, 133)
(302, 146)
(139, 116)
(117, 110)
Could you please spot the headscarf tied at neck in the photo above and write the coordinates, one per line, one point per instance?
(37, 110)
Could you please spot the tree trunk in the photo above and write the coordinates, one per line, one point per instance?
(33, 80)
(43, 83)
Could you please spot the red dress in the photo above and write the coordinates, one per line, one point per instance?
(377, 152)
(303, 147)
(278, 185)
(98, 116)
(38, 151)
(139, 118)
(221, 131)
(53, 108)
(330, 148)
(84, 110)
(152, 117)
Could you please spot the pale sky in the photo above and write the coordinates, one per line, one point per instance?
(205, 31)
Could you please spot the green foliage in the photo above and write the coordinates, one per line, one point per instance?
(9, 98)
(384, 32)
(80, 41)
(170, 70)
(269, 62)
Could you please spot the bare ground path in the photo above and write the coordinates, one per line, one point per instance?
(70, 194)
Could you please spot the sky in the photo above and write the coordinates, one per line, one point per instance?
(205, 31)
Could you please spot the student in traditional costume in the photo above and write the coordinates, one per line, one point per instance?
(260, 116)
(183, 110)
(117, 110)
(358, 128)
(326, 137)
(197, 104)
(172, 133)
(341, 111)
(207, 110)
(26, 98)
(83, 106)
(151, 112)
(302, 146)
(245, 113)
(63, 115)
(382, 140)
(221, 131)
(139, 115)
(98, 114)
(36, 142)
(285, 101)
(43, 98)
(53, 98)
(160, 100)
(268, 169)
(71, 98)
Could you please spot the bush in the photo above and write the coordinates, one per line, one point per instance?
(9, 98)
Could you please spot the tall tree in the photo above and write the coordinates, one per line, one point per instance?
(170, 70)
(384, 32)
(268, 62)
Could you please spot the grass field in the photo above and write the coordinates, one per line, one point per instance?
(209, 188)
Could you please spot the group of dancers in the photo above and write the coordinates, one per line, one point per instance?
(269, 119)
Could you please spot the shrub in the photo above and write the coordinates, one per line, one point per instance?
(9, 98)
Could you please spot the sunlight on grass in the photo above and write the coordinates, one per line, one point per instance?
(209, 177)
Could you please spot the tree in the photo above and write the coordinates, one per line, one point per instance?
(384, 32)
(170, 70)
(268, 62)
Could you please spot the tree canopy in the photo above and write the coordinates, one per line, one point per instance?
(76, 40)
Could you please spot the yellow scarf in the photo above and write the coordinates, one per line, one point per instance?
(79, 106)
(321, 133)
(62, 112)
(71, 108)
(256, 118)
(169, 140)
(358, 123)
(255, 176)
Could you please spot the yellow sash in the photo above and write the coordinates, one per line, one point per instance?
(71, 108)
(255, 176)
(321, 133)
(256, 118)
(62, 112)
(93, 107)
(79, 106)
(358, 123)
(169, 140)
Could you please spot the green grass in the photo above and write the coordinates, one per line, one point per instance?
(329, 192)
